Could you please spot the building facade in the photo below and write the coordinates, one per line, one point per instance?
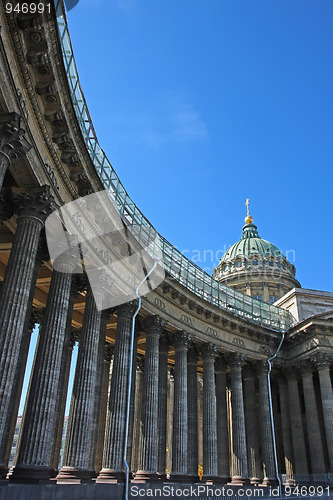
(200, 394)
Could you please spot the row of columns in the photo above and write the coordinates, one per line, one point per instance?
(228, 454)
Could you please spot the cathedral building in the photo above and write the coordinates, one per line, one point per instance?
(172, 388)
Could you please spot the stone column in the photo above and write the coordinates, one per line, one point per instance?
(297, 433)
(132, 400)
(252, 428)
(73, 336)
(239, 451)
(108, 354)
(286, 429)
(210, 467)
(171, 399)
(222, 420)
(12, 141)
(323, 362)
(312, 420)
(148, 445)
(35, 458)
(162, 406)
(113, 457)
(180, 414)
(15, 301)
(192, 409)
(138, 411)
(82, 431)
(267, 443)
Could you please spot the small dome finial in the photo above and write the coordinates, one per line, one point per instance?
(248, 218)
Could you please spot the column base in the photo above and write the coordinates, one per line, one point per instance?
(209, 479)
(182, 478)
(255, 481)
(32, 475)
(239, 481)
(145, 477)
(111, 476)
(74, 475)
(269, 481)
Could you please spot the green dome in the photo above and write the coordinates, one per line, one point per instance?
(251, 244)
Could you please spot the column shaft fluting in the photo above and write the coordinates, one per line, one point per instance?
(148, 444)
(252, 428)
(162, 406)
(222, 420)
(322, 361)
(14, 304)
(312, 422)
(192, 410)
(180, 414)
(113, 463)
(210, 467)
(81, 439)
(286, 429)
(297, 433)
(35, 458)
(239, 450)
(267, 443)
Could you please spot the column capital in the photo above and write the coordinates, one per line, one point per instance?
(321, 360)
(248, 371)
(220, 363)
(36, 317)
(13, 143)
(37, 202)
(236, 360)
(154, 325)
(181, 340)
(262, 367)
(127, 310)
(305, 367)
(208, 351)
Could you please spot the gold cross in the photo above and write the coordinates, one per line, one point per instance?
(247, 205)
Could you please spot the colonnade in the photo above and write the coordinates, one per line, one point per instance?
(237, 438)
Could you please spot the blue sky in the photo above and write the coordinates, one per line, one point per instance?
(201, 104)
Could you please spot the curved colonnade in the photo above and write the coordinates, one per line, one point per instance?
(200, 391)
